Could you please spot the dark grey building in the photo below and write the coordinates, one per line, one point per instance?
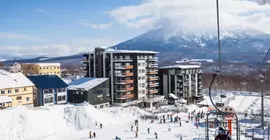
(184, 81)
(95, 91)
(133, 74)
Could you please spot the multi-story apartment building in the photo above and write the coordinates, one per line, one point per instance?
(18, 87)
(185, 81)
(31, 69)
(133, 74)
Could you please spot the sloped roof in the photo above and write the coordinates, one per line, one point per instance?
(47, 81)
(13, 80)
(86, 83)
(5, 99)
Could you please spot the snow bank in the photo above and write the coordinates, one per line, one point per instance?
(28, 124)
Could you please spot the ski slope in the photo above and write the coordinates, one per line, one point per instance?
(242, 103)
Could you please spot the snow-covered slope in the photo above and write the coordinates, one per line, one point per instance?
(236, 42)
(21, 123)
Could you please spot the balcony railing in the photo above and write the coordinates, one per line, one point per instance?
(153, 65)
(121, 90)
(152, 72)
(153, 91)
(123, 60)
(129, 74)
(153, 84)
(153, 79)
(129, 81)
(126, 96)
(155, 59)
(121, 82)
(129, 67)
(130, 88)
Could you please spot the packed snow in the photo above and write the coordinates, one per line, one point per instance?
(73, 122)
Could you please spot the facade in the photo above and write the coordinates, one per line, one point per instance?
(5, 102)
(15, 68)
(17, 87)
(49, 90)
(32, 69)
(184, 81)
(95, 91)
(133, 74)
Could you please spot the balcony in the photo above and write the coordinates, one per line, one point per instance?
(129, 81)
(153, 65)
(154, 59)
(153, 79)
(129, 67)
(121, 82)
(123, 60)
(152, 72)
(127, 96)
(153, 91)
(130, 88)
(120, 75)
(121, 90)
(153, 84)
(129, 73)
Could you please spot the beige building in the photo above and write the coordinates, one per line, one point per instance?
(16, 86)
(31, 69)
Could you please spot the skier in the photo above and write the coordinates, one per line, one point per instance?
(131, 127)
(221, 135)
(137, 128)
(169, 128)
(181, 137)
(94, 135)
(136, 134)
(167, 116)
(164, 121)
(148, 130)
(100, 126)
(117, 138)
(180, 123)
(90, 134)
(96, 123)
(156, 135)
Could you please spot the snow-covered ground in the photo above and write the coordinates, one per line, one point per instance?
(73, 122)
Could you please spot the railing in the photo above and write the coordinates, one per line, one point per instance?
(153, 84)
(153, 91)
(126, 96)
(121, 90)
(153, 65)
(125, 59)
(129, 67)
(130, 88)
(153, 79)
(152, 72)
(129, 74)
(153, 59)
(120, 82)
(129, 81)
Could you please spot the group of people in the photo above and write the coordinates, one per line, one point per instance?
(93, 135)
(170, 117)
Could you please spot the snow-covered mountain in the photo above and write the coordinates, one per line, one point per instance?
(237, 43)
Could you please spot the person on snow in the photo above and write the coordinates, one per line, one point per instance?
(169, 129)
(222, 135)
(137, 128)
(136, 134)
(148, 130)
(180, 124)
(156, 135)
(90, 134)
(96, 124)
(168, 116)
(100, 125)
(131, 127)
(164, 121)
(117, 138)
(94, 135)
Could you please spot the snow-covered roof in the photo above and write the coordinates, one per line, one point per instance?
(181, 66)
(46, 64)
(128, 51)
(86, 83)
(5, 99)
(13, 80)
(173, 96)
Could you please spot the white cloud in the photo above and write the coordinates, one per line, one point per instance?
(75, 46)
(8, 35)
(195, 14)
(40, 10)
(95, 26)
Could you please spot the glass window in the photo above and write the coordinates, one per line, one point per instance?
(50, 90)
(19, 98)
(2, 92)
(9, 91)
(101, 106)
(49, 100)
(25, 89)
(27, 99)
(62, 98)
(16, 90)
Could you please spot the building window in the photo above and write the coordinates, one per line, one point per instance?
(25, 89)
(19, 98)
(46, 91)
(2, 92)
(62, 98)
(61, 89)
(48, 100)
(9, 91)
(106, 105)
(101, 106)
(16, 90)
(27, 99)
(50, 90)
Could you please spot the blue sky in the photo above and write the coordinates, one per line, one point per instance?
(54, 27)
